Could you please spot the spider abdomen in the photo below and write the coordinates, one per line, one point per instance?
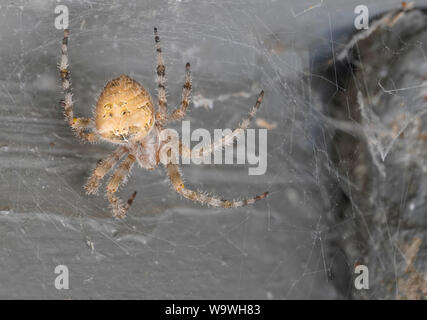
(124, 111)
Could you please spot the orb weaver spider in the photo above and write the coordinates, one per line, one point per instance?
(125, 116)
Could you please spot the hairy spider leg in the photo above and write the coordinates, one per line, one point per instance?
(161, 115)
(102, 168)
(119, 177)
(214, 201)
(179, 113)
(227, 140)
(79, 125)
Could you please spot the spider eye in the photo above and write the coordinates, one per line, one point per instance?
(108, 106)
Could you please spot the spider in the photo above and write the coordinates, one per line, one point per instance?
(125, 115)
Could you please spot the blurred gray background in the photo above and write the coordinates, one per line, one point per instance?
(169, 247)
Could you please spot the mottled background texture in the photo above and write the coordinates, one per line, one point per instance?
(335, 174)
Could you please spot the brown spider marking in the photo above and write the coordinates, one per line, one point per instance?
(421, 135)
(125, 116)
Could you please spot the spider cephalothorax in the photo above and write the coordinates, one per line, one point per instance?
(125, 115)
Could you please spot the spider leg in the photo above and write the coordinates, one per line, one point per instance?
(179, 113)
(79, 125)
(161, 115)
(102, 168)
(227, 140)
(118, 178)
(177, 183)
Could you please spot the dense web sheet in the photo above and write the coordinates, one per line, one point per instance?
(169, 247)
(384, 157)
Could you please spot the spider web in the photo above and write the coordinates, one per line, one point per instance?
(168, 247)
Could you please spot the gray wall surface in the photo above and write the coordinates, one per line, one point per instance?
(169, 247)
